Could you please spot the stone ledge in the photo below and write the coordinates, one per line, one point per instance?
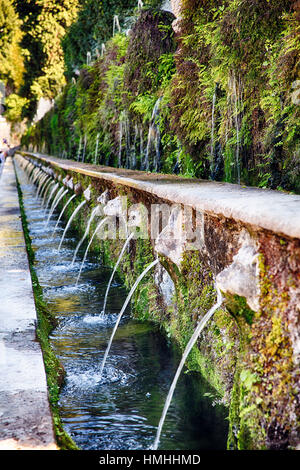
(262, 208)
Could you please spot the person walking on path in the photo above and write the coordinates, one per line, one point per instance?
(3, 155)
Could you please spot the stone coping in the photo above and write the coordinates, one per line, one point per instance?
(272, 210)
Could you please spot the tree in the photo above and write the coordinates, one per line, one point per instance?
(45, 23)
(11, 53)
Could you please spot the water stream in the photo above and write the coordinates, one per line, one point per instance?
(121, 409)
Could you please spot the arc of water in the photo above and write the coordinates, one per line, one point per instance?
(70, 221)
(45, 190)
(154, 263)
(53, 203)
(27, 162)
(31, 170)
(88, 247)
(57, 201)
(41, 184)
(37, 175)
(93, 215)
(34, 174)
(187, 350)
(114, 270)
(62, 212)
(55, 187)
(39, 180)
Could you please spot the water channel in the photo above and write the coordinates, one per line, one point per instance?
(121, 409)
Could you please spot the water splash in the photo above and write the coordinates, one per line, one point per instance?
(114, 271)
(154, 263)
(187, 350)
(92, 216)
(57, 202)
(88, 247)
(70, 221)
(62, 212)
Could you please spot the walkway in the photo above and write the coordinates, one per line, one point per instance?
(25, 418)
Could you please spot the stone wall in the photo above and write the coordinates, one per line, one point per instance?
(244, 241)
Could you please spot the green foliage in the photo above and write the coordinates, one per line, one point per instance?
(226, 110)
(11, 53)
(93, 27)
(14, 107)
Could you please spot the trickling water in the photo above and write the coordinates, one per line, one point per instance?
(116, 25)
(96, 149)
(84, 147)
(121, 410)
(95, 211)
(153, 137)
(41, 184)
(127, 142)
(79, 149)
(62, 212)
(120, 144)
(154, 263)
(141, 147)
(88, 247)
(133, 148)
(237, 153)
(187, 351)
(114, 270)
(70, 221)
(88, 58)
(45, 190)
(212, 142)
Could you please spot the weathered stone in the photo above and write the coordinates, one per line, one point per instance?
(242, 276)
